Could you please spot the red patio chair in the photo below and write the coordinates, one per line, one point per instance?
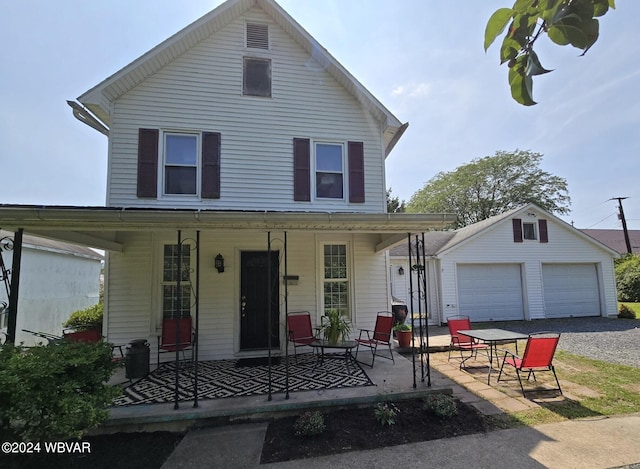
(463, 342)
(300, 331)
(167, 340)
(92, 336)
(381, 335)
(538, 356)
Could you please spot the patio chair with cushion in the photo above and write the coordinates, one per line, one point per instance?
(300, 331)
(381, 335)
(538, 356)
(168, 342)
(460, 341)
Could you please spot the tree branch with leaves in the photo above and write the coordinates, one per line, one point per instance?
(565, 22)
(490, 186)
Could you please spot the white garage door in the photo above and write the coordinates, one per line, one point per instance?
(571, 290)
(490, 292)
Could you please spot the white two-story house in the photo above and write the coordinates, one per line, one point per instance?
(244, 141)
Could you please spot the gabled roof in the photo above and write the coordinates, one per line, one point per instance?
(98, 98)
(439, 242)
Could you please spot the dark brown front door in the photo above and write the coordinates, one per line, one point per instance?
(254, 304)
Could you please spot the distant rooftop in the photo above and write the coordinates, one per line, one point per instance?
(615, 239)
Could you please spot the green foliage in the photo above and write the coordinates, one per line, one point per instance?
(628, 278)
(402, 327)
(566, 22)
(86, 318)
(54, 392)
(394, 204)
(385, 413)
(490, 186)
(334, 325)
(443, 405)
(624, 312)
(309, 424)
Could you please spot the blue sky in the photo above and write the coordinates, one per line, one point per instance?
(423, 59)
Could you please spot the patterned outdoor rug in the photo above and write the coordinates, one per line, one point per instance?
(222, 378)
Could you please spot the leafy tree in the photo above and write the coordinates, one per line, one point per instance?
(564, 21)
(394, 204)
(492, 185)
(628, 278)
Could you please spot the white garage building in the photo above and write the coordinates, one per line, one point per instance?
(522, 264)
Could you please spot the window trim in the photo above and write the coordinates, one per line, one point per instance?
(320, 245)
(161, 283)
(345, 171)
(254, 56)
(534, 231)
(163, 164)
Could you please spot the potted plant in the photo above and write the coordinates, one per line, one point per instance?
(334, 326)
(403, 334)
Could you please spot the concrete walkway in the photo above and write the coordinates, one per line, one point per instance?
(590, 443)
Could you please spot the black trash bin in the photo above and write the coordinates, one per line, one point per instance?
(136, 359)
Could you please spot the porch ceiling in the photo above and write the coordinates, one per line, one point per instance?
(97, 226)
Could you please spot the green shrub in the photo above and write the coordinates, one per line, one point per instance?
(385, 413)
(626, 313)
(309, 424)
(443, 405)
(628, 278)
(55, 392)
(86, 318)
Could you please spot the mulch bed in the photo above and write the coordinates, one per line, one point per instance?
(357, 429)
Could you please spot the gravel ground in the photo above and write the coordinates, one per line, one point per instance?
(608, 339)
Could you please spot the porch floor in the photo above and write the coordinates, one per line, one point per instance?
(387, 380)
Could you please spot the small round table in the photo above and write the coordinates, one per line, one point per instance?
(346, 345)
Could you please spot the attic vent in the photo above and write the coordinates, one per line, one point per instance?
(258, 36)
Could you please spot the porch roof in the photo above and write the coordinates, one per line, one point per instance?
(97, 226)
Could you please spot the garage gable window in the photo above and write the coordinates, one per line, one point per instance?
(530, 231)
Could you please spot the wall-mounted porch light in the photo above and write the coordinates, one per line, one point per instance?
(219, 263)
(401, 271)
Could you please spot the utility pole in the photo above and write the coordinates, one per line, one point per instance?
(624, 221)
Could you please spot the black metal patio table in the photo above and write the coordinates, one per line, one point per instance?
(493, 337)
(346, 345)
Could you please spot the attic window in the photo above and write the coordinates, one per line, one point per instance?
(258, 36)
(257, 77)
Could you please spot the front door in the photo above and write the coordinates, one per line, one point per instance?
(254, 303)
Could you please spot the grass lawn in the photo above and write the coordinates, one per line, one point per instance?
(634, 306)
(616, 391)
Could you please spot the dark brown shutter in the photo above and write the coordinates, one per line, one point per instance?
(542, 227)
(356, 172)
(517, 230)
(210, 165)
(301, 169)
(148, 162)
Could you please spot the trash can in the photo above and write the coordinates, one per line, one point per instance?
(136, 359)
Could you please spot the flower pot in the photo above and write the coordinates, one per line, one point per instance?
(404, 339)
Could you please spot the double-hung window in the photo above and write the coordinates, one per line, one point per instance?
(329, 170)
(335, 279)
(529, 231)
(181, 156)
(174, 305)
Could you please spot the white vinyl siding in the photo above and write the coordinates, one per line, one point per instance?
(490, 292)
(135, 280)
(495, 246)
(571, 290)
(202, 91)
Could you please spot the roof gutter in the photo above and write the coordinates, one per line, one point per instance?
(84, 116)
(395, 138)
